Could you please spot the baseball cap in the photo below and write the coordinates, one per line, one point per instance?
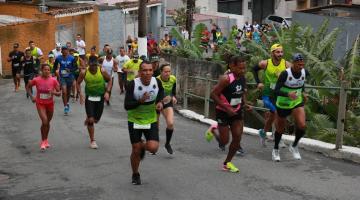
(51, 55)
(275, 47)
(154, 58)
(76, 55)
(64, 47)
(297, 57)
(58, 45)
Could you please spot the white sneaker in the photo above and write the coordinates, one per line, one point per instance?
(295, 152)
(282, 144)
(93, 145)
(276, 155)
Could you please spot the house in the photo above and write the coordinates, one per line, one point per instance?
(45, 25)
(345, 17)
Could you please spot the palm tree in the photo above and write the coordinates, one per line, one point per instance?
(190, 8)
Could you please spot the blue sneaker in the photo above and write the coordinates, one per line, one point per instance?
(262, 135)
(66, 110)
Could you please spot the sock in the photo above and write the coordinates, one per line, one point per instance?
(169, 133)
(277, 139)
(299, 133)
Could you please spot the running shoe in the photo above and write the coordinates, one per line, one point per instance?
(66, 110)
(93, 145)
(276, 155)
(295, 152)
(47, 145)
(282, 144)
(230, 167)
(169, 149)
(262, 135)
(209, 135)
(221, 147)
(136, 179)
(42, 146)
(240, 152)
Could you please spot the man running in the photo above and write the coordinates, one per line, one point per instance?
(95, 94)
(57, 50)
(65, 67)
(229, 95)
(272, 67)
(142, 99)
(36, 52)
(131, 67)
(80, 46)
(46, 88)
(291, 98)
(122, 58)
(110, 65)
(15, 59)
(28, 63)
(168, 82)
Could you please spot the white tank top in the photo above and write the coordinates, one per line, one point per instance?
(108, 66)
(152, 89)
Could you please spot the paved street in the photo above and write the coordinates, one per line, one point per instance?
(71, 170)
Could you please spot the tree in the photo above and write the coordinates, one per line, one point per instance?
(190, 8)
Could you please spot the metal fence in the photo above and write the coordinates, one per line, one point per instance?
(344, 87)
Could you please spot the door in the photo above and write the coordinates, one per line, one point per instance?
(261, 9)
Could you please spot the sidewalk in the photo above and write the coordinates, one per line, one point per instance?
(346, 153)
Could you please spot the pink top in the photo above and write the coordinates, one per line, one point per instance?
(223, 98)
(43, 88)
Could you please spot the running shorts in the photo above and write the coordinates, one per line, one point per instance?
(67, 81)
(223, 118)
(94, 108)
(150, 134)
(15, 70)
(49, 107)
(283, 113)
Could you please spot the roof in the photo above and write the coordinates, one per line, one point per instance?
(336, 10)
(65, 12)
(134, 4)
(6, 20)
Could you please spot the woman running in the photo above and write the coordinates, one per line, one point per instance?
(169, 84)
(46, 87)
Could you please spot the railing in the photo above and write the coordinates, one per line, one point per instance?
(341, 108)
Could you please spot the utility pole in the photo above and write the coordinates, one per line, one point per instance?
(190, 8)
(142, 40)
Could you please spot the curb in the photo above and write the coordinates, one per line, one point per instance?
(347, 153)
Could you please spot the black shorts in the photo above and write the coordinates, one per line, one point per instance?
(94, 108)
(136, 134)
(223, 118)
(15, 70)
(168, 105)
(283, 113)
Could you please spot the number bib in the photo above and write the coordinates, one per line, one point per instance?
(64, 72)
(45, 96)
(235, 101)
(272, 86)
(95, 99)
(143, 127)
(16, 64)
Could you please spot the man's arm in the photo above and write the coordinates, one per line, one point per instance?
(261, 66)
(280, 83)
(216, 92)
(130, 101)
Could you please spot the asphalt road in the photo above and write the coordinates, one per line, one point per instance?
(71, 170)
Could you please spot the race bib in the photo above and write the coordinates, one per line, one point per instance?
(140, 126)
(64, 72)
(235, 101)
(272, 86)
(45, 95)
(16, 64)
(96, 99)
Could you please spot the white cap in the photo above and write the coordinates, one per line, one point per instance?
(58, 44)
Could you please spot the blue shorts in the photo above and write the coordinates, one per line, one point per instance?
(67, 81)
(269, 103)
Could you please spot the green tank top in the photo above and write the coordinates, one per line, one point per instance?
(95, 83)
(291, 85)
(168, 85)
(272, 73)
(34, 52)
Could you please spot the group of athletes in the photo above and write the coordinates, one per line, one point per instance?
(150, 90)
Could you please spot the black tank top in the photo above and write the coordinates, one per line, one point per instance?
(29, 66)
(233, 92)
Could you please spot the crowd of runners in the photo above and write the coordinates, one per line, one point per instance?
(150, 91)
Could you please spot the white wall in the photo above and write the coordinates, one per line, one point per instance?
(356, 2)
(206, 6)
(174, 4)
(246, 12)
(284, 8)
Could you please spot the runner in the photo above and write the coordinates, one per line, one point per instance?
(229, 95)
(122, 58)
(92, 53)
(80, 46)
(291, 98)
(131, 67)
(15, 59)
(29, 63)
(95, 94)
(168, 82)
(65, 67)
(272, 67)
(50, 62)
(110, 65)
(36, 52)
(155, 61)
(74, 94)
(57, 50)
(142, 99)
(46, 88)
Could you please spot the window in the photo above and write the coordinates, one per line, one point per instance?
(230, 6)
